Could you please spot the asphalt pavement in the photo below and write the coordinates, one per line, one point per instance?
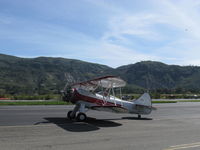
(171, 127)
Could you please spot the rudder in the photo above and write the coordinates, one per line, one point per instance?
(144, 100)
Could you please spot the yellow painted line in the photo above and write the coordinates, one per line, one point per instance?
(197, 143)
(177, 148)
(184, 146)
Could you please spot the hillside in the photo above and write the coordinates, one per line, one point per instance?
(157, 75)
(44, 75)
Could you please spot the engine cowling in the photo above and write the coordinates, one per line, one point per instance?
(67, 94)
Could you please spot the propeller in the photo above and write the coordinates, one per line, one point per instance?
(67, 93)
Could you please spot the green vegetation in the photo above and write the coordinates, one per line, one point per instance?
(176, 101)
(161, 78)
(189, 100)
(46, 76)
(35, 103)
(67, 103)
(35, 97)
(54, 103)
(175, 96)
(164, 101)
(32, 97)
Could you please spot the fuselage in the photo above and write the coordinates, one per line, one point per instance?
(94, 99)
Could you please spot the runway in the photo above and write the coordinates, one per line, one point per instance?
(172, 127)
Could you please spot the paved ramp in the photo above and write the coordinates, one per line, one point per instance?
(171, 127)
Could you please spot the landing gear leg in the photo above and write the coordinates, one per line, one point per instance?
(139, 116)
(72, 114)
(81, 115)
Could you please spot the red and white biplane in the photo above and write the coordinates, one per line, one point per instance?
(100, 94)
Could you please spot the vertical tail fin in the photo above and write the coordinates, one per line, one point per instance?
(144, 100)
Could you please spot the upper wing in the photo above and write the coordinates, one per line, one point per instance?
(115, 109)
(105, 82)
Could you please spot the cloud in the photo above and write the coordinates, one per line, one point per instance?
(172, 29)
(108, 32)
(116, 55)
(183, 16)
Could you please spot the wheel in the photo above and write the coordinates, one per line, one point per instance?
(139, 116)
(69, 115)
(81, 117)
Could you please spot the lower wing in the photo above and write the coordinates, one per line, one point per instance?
(115, 109)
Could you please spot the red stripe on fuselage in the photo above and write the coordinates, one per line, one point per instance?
(100, 102)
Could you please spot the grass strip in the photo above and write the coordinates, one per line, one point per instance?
(175, 101)
(36, 103)
(67, 103)
(189, 100)
(164, 101)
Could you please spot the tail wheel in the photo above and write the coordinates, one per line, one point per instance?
(70, 116)
(81, 117)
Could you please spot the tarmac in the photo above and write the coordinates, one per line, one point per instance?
(172, 126)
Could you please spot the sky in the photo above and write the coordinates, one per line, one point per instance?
(109, 32)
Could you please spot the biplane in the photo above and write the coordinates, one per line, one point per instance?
(101, 94)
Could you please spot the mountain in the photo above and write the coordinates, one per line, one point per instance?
(44, 75)
(157, 75)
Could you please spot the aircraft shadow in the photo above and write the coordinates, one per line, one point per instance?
(91, 124)
(136, 118)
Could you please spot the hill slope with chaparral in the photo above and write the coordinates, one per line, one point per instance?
(48, 75)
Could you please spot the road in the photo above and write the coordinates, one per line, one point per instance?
(172, 127)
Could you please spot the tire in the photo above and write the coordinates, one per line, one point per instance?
(69, 115)
(139, 116)
(81, 117)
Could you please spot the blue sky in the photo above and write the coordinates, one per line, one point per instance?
(110, 32)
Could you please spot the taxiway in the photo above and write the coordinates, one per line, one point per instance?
(172, 127)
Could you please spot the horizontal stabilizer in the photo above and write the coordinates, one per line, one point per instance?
(143, 106)
(153, 108)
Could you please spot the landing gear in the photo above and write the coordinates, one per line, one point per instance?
(80, 107)
(81, 117)
(70, 115)
(139, 116)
